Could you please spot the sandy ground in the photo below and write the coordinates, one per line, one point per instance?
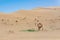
(11, 24)
(30, 36)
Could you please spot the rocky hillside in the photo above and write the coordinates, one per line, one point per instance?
(26, 19)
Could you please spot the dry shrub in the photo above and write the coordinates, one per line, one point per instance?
(11, 31)
(2, 19)
(16, 20)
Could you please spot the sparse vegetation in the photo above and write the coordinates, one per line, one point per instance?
(29, 30)
(2, 19)
(11, 31)
(16, 20)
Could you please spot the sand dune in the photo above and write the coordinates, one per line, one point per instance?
(11, 24)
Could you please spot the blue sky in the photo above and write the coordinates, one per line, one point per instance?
(14, 5)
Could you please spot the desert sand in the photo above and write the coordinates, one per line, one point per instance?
(12, 24)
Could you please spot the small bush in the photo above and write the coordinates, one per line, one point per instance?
(29, 30)
(11, 31)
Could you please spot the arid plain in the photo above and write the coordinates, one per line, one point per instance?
(12, 24)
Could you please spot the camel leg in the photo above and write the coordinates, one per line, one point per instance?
(39, 28)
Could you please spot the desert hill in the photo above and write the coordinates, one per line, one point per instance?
(49, 17)
(12, 24)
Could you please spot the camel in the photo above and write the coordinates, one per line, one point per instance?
(38, 24)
